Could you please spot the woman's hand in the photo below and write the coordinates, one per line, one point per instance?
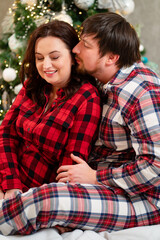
(1, 194)
(8, 194)
(81, 172)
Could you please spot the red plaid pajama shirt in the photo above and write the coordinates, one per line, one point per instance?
(127, 155)
(33, 144)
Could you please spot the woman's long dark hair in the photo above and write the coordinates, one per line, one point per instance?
(35, 84)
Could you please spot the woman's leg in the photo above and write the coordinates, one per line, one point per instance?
(91, 207)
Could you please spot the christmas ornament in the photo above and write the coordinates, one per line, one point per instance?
(15, 44)
(63, 16)
(0, 75)
(105, 4)
(9, 74)
(5, 100)
(128, 7)
(83, 4)
(124, 7)
(141, 48)
(144, 60)
(7, 24)
(29, 2)
(17, 88)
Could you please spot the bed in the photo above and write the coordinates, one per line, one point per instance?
(138, 233)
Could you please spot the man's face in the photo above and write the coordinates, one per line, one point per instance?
(88, 56)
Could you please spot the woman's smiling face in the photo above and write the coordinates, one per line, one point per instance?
(53, 61)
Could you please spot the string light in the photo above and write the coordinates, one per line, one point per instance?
(10, 10)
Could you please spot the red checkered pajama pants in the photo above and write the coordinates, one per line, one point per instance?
(83, 206)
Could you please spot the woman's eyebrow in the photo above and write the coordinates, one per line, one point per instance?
(49, 52)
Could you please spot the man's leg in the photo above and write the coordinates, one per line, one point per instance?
(95, 207)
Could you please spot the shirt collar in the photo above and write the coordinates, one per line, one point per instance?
(120, 76)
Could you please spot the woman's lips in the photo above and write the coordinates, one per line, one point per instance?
(50, 73)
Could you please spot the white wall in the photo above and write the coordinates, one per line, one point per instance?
(147, 13)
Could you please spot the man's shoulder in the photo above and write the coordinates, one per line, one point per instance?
(137, 75)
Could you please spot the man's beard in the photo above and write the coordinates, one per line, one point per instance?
(81, 70)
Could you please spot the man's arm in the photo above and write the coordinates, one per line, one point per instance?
(143, 120)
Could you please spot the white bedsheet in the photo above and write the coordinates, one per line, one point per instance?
(139, 233)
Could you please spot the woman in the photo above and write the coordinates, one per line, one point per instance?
(55, 114)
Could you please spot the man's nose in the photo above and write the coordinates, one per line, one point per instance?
(76, 49)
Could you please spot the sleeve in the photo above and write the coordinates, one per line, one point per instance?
(85, 127)
(9, 143)
(142, 174)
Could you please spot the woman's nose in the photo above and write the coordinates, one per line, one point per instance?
(47, 63)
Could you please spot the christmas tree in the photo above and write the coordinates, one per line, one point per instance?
(24, 16)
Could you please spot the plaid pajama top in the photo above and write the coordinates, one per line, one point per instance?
(33, 144)
(128, 148)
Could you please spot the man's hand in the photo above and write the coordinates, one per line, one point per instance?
(81, 172)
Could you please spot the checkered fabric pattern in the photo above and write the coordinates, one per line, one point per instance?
(85, 207)
(127, 154)
(128, 148)
(34, 143)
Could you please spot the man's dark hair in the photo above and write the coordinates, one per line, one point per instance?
(114, 34)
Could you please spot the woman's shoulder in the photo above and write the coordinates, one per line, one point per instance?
(88, 89)
(86, 93)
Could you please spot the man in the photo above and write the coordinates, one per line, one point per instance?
(124, 190)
